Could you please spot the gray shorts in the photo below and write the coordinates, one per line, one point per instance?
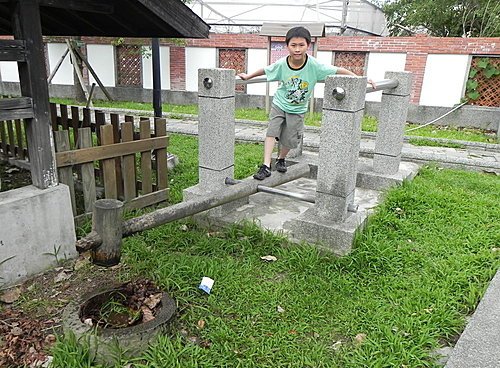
(285, 127)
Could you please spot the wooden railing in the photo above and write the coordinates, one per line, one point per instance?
(100, 155)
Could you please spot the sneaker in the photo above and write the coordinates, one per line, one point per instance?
(263, 173)
(281, 165)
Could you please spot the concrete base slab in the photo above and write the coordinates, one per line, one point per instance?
(367, 178)
(272, 211)
(36, 231)
(334, 237)
(277, 213)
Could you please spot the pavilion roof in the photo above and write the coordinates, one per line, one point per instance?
(113, 18)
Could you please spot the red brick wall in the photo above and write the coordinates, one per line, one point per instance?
(417, 48)
(177, 68)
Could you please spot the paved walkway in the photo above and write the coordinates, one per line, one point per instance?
(474, 156)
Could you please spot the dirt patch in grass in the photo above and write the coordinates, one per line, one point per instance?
(31, 312)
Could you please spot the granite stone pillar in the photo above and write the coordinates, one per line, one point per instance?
(329, 223)
(215, 127)
(216, 134)
(391, 124)
(339, 146)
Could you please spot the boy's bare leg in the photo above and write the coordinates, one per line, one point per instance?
(283, 152)
(268, 150)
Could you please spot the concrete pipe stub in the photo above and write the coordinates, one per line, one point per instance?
(104, 343)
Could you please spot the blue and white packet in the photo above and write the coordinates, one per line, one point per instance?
(206, 284)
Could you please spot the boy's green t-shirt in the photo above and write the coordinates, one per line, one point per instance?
(296, 85)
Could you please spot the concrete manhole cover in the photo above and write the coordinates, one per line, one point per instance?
(121, 319)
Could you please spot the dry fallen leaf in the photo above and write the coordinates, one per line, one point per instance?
(147, 315)
(16, 331)
(201, 324)
(11, 295)
(49, 339)
(360, 338)
(61, 276)
(269, 258)
(336, 345)
(153, 300)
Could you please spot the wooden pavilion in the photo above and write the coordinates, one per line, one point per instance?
(28, 20)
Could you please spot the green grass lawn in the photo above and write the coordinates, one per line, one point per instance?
(369, 123)
(416, 272)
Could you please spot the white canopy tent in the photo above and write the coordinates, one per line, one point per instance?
(339, 16)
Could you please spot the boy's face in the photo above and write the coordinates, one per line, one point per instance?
(297, 47)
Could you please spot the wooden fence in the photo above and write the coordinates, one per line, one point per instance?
(13, 139)
(101, 155)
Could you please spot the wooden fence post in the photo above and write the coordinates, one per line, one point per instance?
(12, 144)
(115, 122)
(20, 140)
(88, 174)
(66, 173)
(107, 223)
(161, 155)
(147, 182)
(3, 138)
(129, 173)
(108, 165)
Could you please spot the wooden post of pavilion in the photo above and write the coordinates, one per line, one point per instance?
(33, 81)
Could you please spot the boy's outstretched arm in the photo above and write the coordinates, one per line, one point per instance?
(344, 71)
(256, 73)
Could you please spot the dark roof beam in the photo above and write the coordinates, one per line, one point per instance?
(179, 16)
(51, 26)
(80, 5)
(142, 14)
(89, 23)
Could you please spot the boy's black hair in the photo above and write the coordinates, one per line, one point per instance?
(298, 32)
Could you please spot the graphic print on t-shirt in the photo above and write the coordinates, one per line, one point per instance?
(296, 90)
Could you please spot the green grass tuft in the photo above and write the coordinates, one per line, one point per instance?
(432, 143)
(416, 272)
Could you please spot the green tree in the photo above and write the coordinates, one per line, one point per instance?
(444, 18)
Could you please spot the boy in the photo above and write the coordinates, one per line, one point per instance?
(297, 73)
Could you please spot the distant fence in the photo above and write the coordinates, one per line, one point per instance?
(101, 155)
(13, 139)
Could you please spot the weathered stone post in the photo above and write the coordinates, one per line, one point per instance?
(216, 106)
(339, 146)
(391, 124)
(216, 135)
(107, 222)
(331, 221)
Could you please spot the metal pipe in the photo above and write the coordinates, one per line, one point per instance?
(251, 81)
(380, 85)
(194, 206)
(270, 190)
(302, 197)
(383, 85)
